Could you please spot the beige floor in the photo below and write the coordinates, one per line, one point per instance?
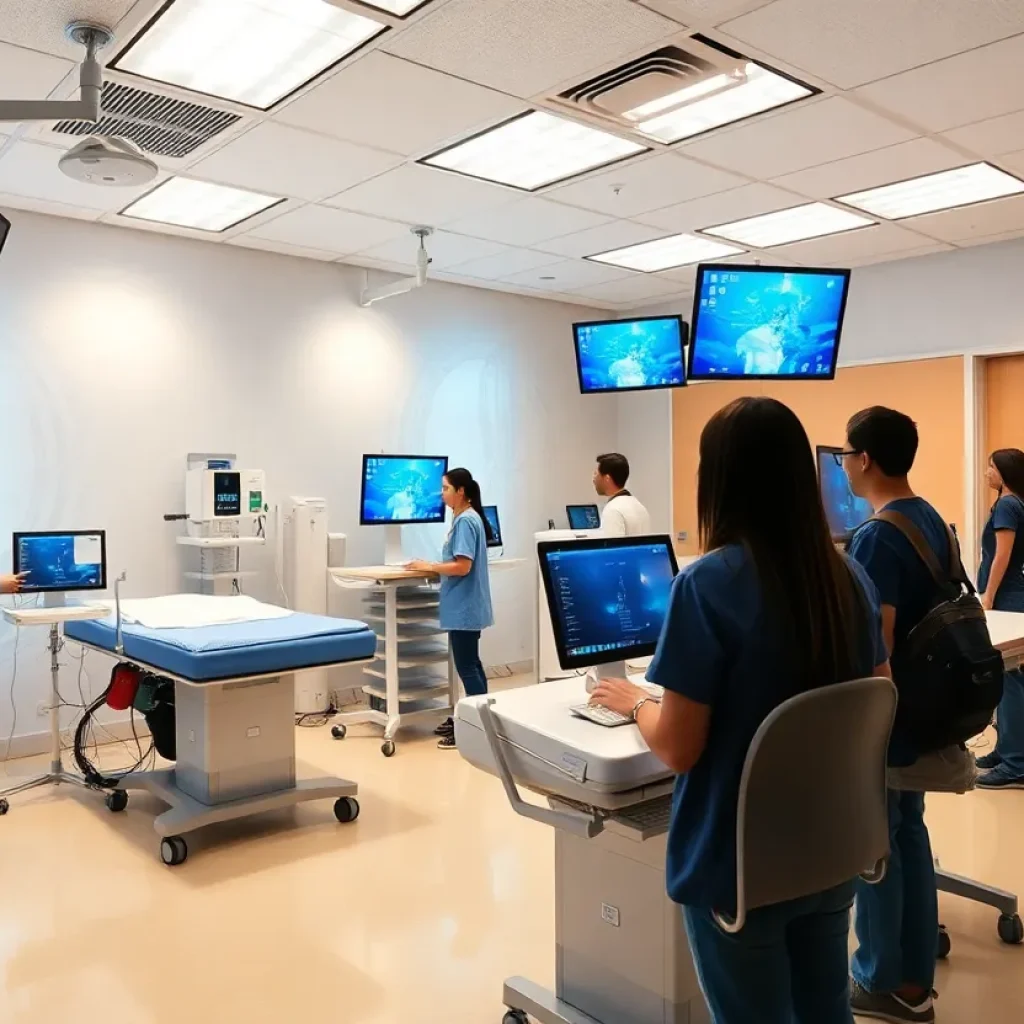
(414, 914)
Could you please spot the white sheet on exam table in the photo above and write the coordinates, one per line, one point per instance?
(189, 611)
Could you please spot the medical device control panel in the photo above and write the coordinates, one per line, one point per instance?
(213, 494)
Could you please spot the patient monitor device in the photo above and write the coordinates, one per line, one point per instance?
(224, 493)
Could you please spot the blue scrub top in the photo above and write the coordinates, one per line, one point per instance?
(716, 649)
(466, 600)
(1007, 514)
(903, 581)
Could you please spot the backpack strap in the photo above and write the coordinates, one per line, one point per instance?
(957, 574)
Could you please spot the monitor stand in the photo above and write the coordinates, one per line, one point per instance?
(609, 670)
(55, 599)
(393, 546)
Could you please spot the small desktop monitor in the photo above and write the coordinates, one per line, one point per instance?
(61, 562)
(607, 596)
(402, 489)
(5, 227)
(631, 355)
(583, 517)
(491, 513)
(843, 509)
(766, 323)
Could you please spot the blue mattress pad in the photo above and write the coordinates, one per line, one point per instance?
(239, 649)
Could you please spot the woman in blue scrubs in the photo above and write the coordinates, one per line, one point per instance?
(465, 586)
(1001, 584)
(771, 610)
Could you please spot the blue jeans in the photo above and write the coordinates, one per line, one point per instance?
(466, 655)
(897, 921)
(788, 965)
(1010, 741)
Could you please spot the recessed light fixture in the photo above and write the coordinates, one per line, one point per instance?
(666, 253)
(254, 52)
(198, 204)
(946, 190)
(796, 224)
(716, 101)
(533, 150)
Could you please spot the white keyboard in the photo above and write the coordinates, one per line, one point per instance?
(600, 715)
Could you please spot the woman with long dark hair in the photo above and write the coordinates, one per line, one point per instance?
(465, 607)
(771, 610)
(1001, 584)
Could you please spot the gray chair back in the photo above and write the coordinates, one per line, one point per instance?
(812, 805)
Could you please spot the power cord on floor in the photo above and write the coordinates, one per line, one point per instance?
(315, 719)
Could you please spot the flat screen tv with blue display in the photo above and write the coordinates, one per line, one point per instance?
(766, 323)
(583, 517)
(631, 355)
(607, 597)
(843, 509)
(399, 490)
(491, 513)
(61, 562)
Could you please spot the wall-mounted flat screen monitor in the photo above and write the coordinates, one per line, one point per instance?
(631, 355)
(766, 323)
(61, 562)
(400, 490)
(491, 514)
(843, 509)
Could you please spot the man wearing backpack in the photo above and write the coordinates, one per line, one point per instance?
(897, 921)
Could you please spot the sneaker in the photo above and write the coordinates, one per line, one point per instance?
(447, 742)
(988, 761)
(446, 728)
(889, 1006)
(1000, 778)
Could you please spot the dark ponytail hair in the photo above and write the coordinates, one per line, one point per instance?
(462, 480)
(1010, 464)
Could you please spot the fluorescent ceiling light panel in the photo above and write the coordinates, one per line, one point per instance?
(715, 102)
(814, 220)
(254, 52)
(665, 253)
(945, 190)
(199, 205)
(534, 150)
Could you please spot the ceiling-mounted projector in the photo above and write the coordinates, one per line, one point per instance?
(103, 160)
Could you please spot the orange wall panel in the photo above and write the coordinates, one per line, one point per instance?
(1004, 403)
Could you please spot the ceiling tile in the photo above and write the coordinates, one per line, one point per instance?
(1014, 162)
(527, 221)
(694, 13)
(12, 202)
(850, 44)
(525, 47)
(805, 135)
(288, 162)
(25, 75)
(997, 217)
(40, 25)
(869, 170)
(961, 90)
(390, 104)
(445, 250)
(422, 195)
(637, 288)
(853, 246)
(281, 248)
(567, 276)
(29, 169)
(505, 263)
(646, 184)
(722, 208)
(337, 231)
(993, 137)
(616, 234)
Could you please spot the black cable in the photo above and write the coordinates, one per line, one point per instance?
(93, 776)
(315, 719)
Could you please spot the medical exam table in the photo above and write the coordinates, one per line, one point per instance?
(235, 713)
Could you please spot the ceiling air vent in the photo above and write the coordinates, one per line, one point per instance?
(156, 124)
(676, 93)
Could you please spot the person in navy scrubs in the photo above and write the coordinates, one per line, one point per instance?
(1001, 585)
(770, 611)
(465, 605)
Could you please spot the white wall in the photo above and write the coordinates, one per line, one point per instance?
(121, 351)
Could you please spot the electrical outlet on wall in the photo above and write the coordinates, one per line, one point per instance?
(42, 709)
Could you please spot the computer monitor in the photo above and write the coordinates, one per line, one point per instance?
(583, 517)
(607, 596)
(491, 513)
(61, 562)
(5, 227)
(402, 489)
(766, 323)
(640, 354)
(843, 509)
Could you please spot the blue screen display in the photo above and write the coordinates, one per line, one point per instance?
(64, 562)
(402, 489)
(753, 322)
(630, 354)
(491, 512)
(583, 517)
(843, 509)
(609, 599)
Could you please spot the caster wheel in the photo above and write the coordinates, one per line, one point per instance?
(117, 801)
(515, 1017)
(338, 732)
(387, 748)
(945, 945)
(4, 807)
(346, 809)
(1011, 929)
(173, 851)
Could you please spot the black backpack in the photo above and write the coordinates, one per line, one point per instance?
(948, 675)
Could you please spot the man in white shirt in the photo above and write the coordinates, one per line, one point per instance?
(622, 515)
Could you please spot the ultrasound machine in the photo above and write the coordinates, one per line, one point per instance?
(621, 946)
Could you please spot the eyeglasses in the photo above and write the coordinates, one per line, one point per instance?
(839, 456)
